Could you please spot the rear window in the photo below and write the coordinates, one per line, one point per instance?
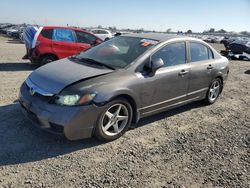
(47, 33)
(65, 35)
(199, 52)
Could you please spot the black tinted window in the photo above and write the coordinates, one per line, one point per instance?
(47, 33)
(85, 37)
(198, 52)
(172, 54)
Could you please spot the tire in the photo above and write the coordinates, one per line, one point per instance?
(47, 59)
(214, 91)
(35, 62)
(109, 127)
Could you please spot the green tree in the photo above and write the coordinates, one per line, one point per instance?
(169, 30)
(212, 30)
(221, 31)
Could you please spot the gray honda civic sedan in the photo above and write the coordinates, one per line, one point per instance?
(105, 89)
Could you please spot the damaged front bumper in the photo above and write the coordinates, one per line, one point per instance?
(75, 122)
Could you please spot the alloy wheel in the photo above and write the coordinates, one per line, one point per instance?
(115, 119)
(214, 91)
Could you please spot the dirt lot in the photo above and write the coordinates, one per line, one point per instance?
(192, 146)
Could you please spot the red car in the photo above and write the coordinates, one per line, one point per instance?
(51, 43)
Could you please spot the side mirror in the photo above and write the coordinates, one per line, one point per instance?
(156, 64)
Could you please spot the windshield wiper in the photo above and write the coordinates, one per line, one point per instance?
(98, 63)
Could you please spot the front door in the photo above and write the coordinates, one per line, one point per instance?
(84, 41)
(169, 84)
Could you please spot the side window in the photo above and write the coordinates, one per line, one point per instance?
(47, 33)
(95, 31)
(210, 54)
(198, 52)
(65, 35)
(103, 32)
(85, 37)
(172, 54)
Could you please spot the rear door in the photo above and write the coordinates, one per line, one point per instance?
(84, 41)
(44, 41)
(202, 67)
(63, 42)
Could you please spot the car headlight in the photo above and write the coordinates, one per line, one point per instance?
(71, 100)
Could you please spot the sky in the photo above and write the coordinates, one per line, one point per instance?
(159, 15)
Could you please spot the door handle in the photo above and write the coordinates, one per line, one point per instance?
(183, 72)
(210, 67)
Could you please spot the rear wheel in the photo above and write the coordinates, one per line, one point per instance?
(47, 59)
(114, 120)
(214, 91)
(36, 62)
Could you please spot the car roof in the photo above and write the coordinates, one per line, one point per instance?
(62, 27)
(161, 37)
(155, 36)
(73, 28)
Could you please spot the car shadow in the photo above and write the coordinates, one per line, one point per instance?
(247, 71)
(18, 66)
(14, 41)
(20, 142)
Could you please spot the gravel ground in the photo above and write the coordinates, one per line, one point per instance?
(191, 146)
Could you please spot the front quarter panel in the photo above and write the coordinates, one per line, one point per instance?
(107, 87)
(125, 84)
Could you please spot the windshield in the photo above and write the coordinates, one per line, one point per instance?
(117, 52)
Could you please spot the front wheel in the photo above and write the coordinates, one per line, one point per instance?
(114, 120)
(214, 91)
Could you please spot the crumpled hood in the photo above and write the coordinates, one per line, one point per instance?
(55, 76)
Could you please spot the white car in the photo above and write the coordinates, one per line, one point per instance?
(102, 33)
